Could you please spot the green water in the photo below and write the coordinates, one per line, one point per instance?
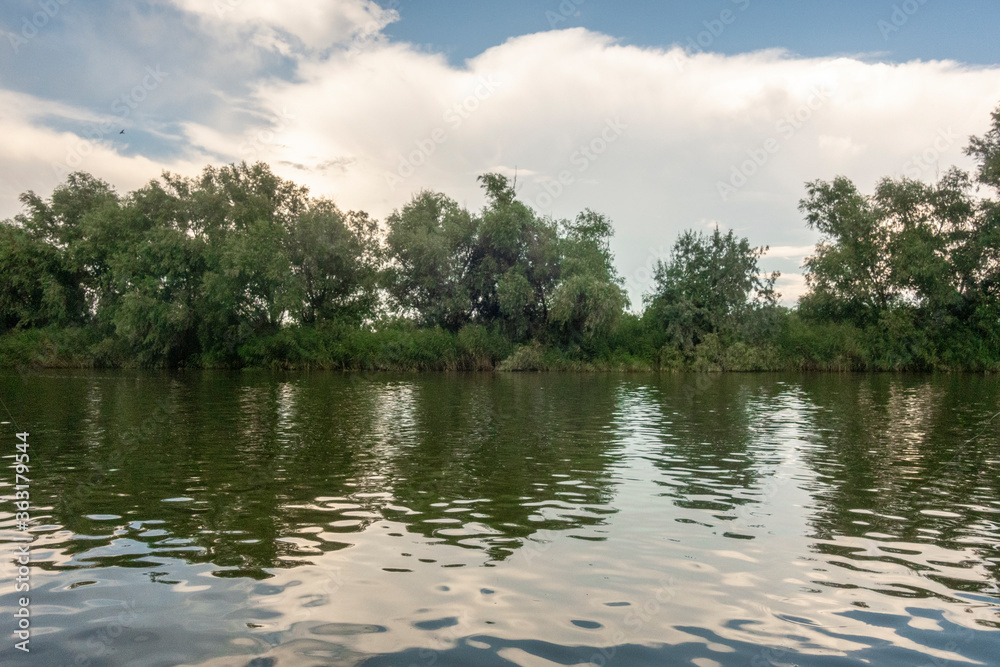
(325, 519)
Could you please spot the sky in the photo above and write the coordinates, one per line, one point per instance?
(664, 116)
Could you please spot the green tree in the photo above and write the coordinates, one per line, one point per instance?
(986, 151)
(37, 288)
(711, 284)
(514, 264)
(589, 300)
(335, 260)
(921, 260)
(850, 274)
(983, 246)
(980, 256)
(429, 246)
(157, 276)
(80, 222)
(245, 213)
(159, 282)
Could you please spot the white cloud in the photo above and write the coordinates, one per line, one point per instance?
(791, 286)
(36, 157)
(317, 23)
(796, 252)
(643, 135)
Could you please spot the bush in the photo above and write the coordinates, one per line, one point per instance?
(530, 357)
(50, 347)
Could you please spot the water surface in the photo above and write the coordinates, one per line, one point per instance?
(324, 519)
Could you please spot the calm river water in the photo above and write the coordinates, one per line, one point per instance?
(256, 519)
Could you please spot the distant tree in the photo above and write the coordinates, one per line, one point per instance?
(986, 151)
(850, 274)
(931, 248)
(983, 248)
(335, 259)
(158, 274)
(711, 284)
(429, 246)
(915, 262)
(37, 288)
(589, 300)
(79, 223)
(159, 283)
(514, 264)
(245, 214)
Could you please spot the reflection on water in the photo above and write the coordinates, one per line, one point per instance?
(325, 519)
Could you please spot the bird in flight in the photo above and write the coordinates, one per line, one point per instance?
(122, 132)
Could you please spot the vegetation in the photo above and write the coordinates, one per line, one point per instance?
(238, 267)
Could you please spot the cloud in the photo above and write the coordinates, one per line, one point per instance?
(797, 252)
(318, 24)
(34, 156)
(659, 139)
(791, 286)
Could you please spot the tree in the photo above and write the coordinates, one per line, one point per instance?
(929, 228)
(850, 275)
(589, 299)
(984, 239)
(930, 249)
(429, 247)
(80, 224)
(244, 213)
(711, 284)
(159, 280)
(335, 262)
(986, 151)
(514, 264)
(916, 265)
(448, 268)
(38, 289)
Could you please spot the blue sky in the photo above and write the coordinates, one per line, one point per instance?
(663, 115)
(937, 30)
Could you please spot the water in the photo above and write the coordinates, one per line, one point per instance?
(254, 519)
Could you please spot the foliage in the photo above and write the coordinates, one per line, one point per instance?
(710, 286)
(514, 264)
(589, 300)
(915, 267)
(238, 267)
(430, 244)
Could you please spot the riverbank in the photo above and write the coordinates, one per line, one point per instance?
(797, 347)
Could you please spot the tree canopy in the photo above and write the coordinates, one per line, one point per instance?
(238, 266)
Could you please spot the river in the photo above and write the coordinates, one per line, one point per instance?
(269, 520)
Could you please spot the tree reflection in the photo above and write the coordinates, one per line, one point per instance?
(255, 471)
(911, 472)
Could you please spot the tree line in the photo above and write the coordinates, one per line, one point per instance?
(238, 267)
